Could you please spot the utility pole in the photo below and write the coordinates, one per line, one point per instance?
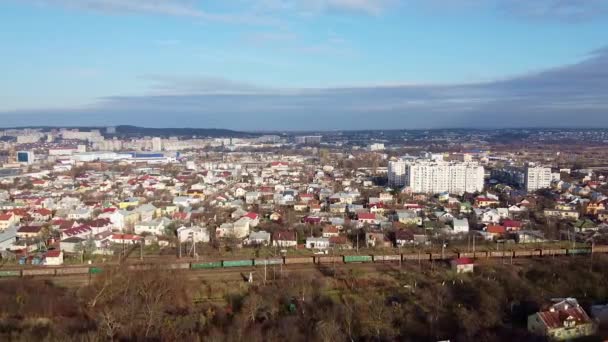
(141, 250)
(474, 244)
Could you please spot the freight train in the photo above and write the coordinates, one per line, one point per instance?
(323, 259)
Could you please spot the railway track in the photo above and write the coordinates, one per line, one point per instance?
(219, 265)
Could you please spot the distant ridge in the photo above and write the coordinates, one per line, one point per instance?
(127, 130)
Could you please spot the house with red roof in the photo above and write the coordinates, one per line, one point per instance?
(495, 231)
(462, 265)
(512, 225)
(125, 238)
(29, 232)
(284, 239)
(565, 320)
(7, 220)
(53, 258)
(42, 214)
(484, 202)
(366, 218)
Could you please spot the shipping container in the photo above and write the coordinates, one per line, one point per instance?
(466, 255)
(579, 251)
(523, 253)
(6, 274)
(329, 259)
(358, 258)
(497, 254)
(95, 270)
(600, 249)
(262, 262)
(387, 258)
(237, 263)
(206, 265)
(72, 270)
(481, 254)
(420, 256)
(38, 272)
(183, 266)
(552, 252)
(300, 260)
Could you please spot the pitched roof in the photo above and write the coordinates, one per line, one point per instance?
(554, 319)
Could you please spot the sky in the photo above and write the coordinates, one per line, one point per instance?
(258, 65)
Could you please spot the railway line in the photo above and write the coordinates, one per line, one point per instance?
(294, 262)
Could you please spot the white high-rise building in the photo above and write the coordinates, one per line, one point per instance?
(426, 176)
(157, 144)
(538, 178)
(397, 173)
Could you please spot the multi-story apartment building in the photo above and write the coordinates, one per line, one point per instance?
(426, 176)
(530, 178)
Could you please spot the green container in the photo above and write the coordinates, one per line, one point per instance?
(95, 270)
(262, 262)
(574, 251)
(237, 263)
(206, 265)
(6, 274)
(357, 258)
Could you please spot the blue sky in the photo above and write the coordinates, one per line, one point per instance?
(304, 64)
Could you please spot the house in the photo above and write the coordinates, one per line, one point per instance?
(330, 231)
(317, 243)
(260, 238)
(146, 212)
(408, 217)
(512, 225)
(462, 265)
(460, 226)
(403, 238)
(366, 218)
(154, 227)
(484, 202)
(53, 258)
(80, 214)
(127, 239)
(565, 320)
(29, 232)
(72, 244)
(564, 214)
(129, 202)
(7, 220)
(284, 239)
(42, 214)
(379, 240)
(193, 234)
(340, 242)
(529, 236)
(494, 231)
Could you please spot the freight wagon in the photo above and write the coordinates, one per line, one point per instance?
(387, 258)
(357, 258)
(300, 260)
(38, 272)
(237, 263)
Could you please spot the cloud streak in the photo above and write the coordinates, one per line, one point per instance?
(570, 96)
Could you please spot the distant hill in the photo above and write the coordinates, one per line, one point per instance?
(126, 130)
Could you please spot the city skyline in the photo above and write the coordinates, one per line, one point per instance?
(305, 65)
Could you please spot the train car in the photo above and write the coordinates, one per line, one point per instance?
(578, 251)
(416, 257)
(499, 254)
(387, 258)
(10, 273)
(523, 253)
(600, 249)
(205, 265)
(357, 258)
(553, 252)
(180, 266)
(95, 270)
(329, 259)
(480, 254)
(270, 261)
(299, 260)
(72, 270)
(470, 255)
(237, 263)
(139, 267)
(38, 272)
(442, 256)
